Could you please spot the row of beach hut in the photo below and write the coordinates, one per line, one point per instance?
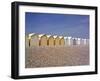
(33, 39)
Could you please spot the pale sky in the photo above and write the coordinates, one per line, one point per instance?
(57, 24)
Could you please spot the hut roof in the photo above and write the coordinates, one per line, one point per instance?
(82, 39)
(55, 36)
(40, 35)
(69, 37)
(65, 37)
(78, 38)
(48, 36)
(60, 37)
(75, 38)
(32, 34)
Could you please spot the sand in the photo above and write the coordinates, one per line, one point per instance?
(56, 56)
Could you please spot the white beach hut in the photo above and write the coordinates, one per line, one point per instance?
(87, 41)
(70, 41)
(74, 41)
(66, 41)
(82, 41)
(78, 41)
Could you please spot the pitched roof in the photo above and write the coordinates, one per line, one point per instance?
(55, 36)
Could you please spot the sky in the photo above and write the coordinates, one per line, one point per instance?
(57, 24)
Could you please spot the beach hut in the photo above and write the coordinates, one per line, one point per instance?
(82, 41)
(50, 41)
(87, 41)
(42, 40)
(26, 41)
(70, 41)
(34, 39)
(78, 41)
(62, 41)
(74, 41)
(66, 41)
(56, 41)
